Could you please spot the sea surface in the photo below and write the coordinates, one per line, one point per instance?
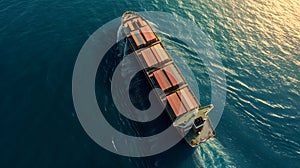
(259, 45)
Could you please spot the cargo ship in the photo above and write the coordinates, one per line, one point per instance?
(186, 113)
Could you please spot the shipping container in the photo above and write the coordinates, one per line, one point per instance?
(138, 39)
(187, 98)
(148, 34)
(162, 79)
(173, 75)
(149, 57)
(161, 52)
(176, 104)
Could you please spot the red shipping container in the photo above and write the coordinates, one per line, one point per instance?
(148, 34)
(173, 74)
(138, 39)
(162, 79)
(176, 104)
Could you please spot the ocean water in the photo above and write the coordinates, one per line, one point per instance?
(258, 42)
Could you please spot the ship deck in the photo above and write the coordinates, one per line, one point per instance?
(163, 73)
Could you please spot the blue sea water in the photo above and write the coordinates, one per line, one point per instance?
(258, 42)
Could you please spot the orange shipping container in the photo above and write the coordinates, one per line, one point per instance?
(173, 75)
(161, 79)
(176, 104)
(148, 34)
(138, 39)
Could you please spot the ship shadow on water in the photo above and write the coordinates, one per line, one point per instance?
(173, 157)
(139, 90)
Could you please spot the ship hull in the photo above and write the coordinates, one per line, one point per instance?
(188, 116)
